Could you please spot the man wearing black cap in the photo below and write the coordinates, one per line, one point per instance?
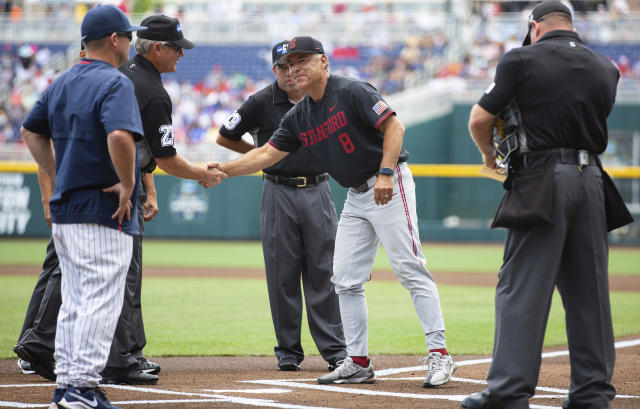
(348, 128)
(563, 92)
(157, 51)
(94, 164)
(298, 226)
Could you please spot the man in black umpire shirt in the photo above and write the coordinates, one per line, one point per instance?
(157, 51)
(554, 211)
(298, 225)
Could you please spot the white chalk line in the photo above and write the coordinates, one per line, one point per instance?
(380, 374)
(221, 398)
(256, 391)
(214, 395)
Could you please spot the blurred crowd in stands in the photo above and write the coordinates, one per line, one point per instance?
(201, 106)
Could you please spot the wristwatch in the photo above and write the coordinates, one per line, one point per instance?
(386, 172)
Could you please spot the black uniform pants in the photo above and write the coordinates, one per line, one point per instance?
(129, 338)
(298, 227)
(572, 254)
(39, 328)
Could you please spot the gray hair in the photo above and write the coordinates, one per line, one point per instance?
(143, 46)
(319, 56)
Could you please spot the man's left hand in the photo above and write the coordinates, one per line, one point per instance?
(383, 189)
(150, 207)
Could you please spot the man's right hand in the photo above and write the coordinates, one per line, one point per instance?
(214, 175)
(489, 160)
(47, 212)
(124, 204)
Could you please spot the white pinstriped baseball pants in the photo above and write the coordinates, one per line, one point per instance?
(94, 260)
(363, 226)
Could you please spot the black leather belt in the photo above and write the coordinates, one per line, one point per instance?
(296, 181)
(564, 155)
(361, 188)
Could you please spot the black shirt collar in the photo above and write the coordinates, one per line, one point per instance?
(146, 64)
(279, 96)
(551, 35)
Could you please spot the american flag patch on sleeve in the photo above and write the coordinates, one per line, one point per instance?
(379, 107)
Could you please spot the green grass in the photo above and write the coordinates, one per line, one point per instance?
(440, 258)
(207, 316)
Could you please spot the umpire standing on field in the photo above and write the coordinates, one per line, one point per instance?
(564, 93)
(157, 51)
(298, 223)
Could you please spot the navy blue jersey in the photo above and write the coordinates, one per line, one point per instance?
(340, 130)
(77, 111)
(260, 116)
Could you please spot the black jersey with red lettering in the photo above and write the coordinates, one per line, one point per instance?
(340, 130)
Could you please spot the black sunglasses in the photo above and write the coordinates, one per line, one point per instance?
(128, 34)
(175, 47)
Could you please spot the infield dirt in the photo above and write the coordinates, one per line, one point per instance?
(238, 382)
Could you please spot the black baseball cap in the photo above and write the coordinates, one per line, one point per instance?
(278, 51)
(302, 44)
(101, 21)
(163, 28)
(541, 10)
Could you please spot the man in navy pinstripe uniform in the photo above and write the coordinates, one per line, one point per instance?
(91, 114)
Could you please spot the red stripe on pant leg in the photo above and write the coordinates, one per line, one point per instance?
(406, 212)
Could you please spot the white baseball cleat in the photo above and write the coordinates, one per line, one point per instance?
(439, 369)
(349, 372)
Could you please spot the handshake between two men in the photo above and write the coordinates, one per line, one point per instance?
(250, 162)
(212, 176)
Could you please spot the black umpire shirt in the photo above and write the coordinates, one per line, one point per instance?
(340, 130)
(539, 76)
(260, 116)
(155, 110)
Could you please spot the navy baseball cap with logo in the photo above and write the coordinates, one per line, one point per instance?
(278, 51)
(163, 28)
(101, 21)
(542, 10)
(302, 44)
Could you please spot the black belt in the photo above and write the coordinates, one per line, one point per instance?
(563, 155)
(361, 188)
(296, 181)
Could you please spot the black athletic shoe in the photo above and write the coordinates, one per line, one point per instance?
(288, 367)
(333, 365)
(149, 367)
(43, 366)
(25, 367)
(133, 376)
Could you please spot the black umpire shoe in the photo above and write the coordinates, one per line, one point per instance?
(475, 401)
(133, 376)
(149, 367)
(334, 364)
(25, 367)
(288, 366)
(42, 365)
